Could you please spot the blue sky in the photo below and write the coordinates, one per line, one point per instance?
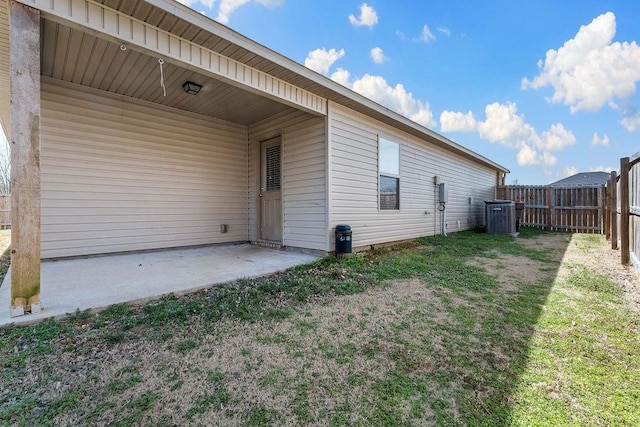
(545, 88)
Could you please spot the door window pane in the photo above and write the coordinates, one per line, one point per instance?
(272, 164)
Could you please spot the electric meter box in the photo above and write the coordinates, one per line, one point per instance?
(443, 193)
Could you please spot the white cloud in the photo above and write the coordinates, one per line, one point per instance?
(570, 171)
(528, 156)
(227, 7)
(590, 70)
(504, 125)
(423, 114)
(453, 121)
(631, 120)
(378, 55)
(444, 30)
(426, 35)
(557, 138)
(401, 35)
(368, 17)
(604, 141)
(320, 60)
(395, 97)
(341, 76)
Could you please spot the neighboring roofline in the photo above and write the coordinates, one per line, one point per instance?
(574, 180)
(220, 30)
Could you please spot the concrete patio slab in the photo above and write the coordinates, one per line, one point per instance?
(98, 282)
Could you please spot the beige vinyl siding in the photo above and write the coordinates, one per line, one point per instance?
(303, 178)
(121, 175)
(354, 183)
(304, 185)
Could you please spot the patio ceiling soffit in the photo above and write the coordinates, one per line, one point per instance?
(116, 26)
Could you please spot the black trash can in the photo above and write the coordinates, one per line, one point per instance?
(343, 239)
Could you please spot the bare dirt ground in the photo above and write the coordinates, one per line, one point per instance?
(592, 252)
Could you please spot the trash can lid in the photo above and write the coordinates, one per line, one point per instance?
(343, 227)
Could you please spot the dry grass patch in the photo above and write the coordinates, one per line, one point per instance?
(556, 242)
(303, 367)
(511, 271)
(594, 253)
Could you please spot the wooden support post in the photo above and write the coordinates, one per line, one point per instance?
(625, 255)
(614, 210)
(24, 58)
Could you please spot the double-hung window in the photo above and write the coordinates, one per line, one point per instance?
(389, 174)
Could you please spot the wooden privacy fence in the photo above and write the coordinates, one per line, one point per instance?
(623, 207)
(571, 209)
(5, 211)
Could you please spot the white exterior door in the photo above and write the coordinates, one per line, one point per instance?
(270, 190)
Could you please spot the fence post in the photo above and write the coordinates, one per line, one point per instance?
(613, 223)
(606, 214)
(601, 209)
(625, 256)
(549, 197)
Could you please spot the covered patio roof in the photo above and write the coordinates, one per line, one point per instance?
(74, 56)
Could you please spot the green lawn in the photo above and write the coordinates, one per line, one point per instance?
(470, 329)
